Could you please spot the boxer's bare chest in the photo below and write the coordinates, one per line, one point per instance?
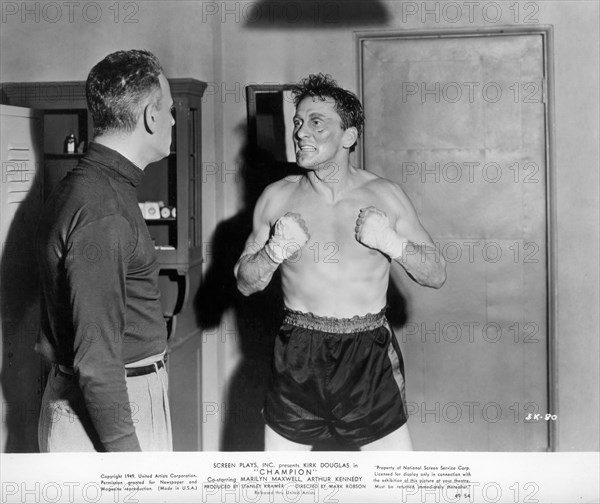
(331, 224)
(333, 274)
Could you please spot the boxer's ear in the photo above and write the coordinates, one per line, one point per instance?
(350, 137)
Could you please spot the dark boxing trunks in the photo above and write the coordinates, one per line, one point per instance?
(336, 380)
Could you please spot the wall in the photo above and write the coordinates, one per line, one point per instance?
(281, 51)
(231, 46)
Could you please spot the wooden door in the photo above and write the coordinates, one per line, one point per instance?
(459, 122)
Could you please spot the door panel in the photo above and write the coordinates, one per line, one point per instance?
(459, 122)
(21, 368)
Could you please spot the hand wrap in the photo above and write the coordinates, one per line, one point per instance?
(374, 231)
(290, 234)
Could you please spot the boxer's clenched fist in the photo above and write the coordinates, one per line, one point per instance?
(290, 234)
(374, 231)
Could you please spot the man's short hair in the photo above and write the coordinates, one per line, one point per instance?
(347, 104)
(117, 87)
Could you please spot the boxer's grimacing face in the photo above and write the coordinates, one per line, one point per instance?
(318, 133)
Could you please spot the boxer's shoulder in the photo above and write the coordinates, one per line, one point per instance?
(272, 201)
(280, 188)
(383, 187)
(385, 195)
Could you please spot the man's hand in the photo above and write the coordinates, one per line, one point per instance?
(373, 230)
(290, 234)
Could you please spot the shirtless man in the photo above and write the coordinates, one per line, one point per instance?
(333, 232)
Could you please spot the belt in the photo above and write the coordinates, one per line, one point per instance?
(131, 372)
(144, 370)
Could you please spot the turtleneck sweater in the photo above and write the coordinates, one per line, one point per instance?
(100, 297)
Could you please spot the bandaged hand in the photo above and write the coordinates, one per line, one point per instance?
(290, 234)
(374, 231)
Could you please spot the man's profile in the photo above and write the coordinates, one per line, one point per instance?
(337, 373)
(102, 322)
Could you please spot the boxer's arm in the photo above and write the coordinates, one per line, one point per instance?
(254, 271)
(420, 257)
(254, 268)
(405, 241)
(290, 234)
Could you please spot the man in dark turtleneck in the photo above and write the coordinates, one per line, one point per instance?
(102, 323)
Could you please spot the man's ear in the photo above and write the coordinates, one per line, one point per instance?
(350, 137)
(150, 118)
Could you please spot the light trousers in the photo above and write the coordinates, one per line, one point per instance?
(65, 424)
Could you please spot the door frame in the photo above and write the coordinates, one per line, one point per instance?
(547, 33)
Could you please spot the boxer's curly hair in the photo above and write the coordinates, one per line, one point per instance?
(347, 104)
(117, 87)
